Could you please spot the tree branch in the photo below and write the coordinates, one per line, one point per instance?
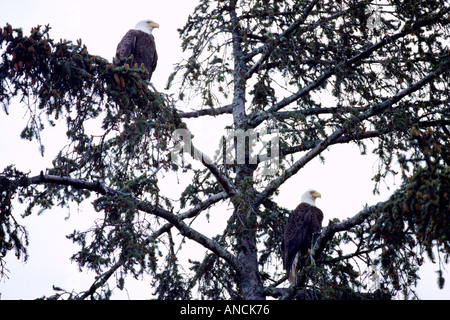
(316, 111)
(329, 231)
(262, 48)
(207, 112)
(343, 139)
(336, 135)
(228, 187)
(101, 280)
(267, 48)
(66, 181)
(357, 136)
(325, 236)
(190, 233)
(256, 118)
(145, 206)
(190, 213)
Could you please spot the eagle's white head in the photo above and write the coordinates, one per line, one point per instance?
(146, 26)
(310, 197)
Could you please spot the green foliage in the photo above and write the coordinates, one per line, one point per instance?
(216, 280)
(418, 214)
(12, 235)
(69, 83)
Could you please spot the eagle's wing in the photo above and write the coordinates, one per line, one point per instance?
(153, 56)
(127, 45)
(142, 46)
(296, 235)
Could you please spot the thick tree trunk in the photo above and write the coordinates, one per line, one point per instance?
(249, 280)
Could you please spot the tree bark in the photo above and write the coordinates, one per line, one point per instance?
(249, 280)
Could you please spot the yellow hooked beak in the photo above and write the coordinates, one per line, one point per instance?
(316, 194)
(153, 24)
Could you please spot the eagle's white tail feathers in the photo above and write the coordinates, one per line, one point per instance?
(294, 270)
(298, 262)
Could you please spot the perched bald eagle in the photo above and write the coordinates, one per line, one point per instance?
(140, 43)
(300, 233)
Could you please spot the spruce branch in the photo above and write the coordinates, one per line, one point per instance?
(338, 133)
(144, 206)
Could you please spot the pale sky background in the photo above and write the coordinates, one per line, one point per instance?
(344, 180)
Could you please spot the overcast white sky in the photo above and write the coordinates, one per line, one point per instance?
(344, 180)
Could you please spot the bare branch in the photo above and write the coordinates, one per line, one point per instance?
(191, 213)
(228, 187)
(329, 231)
(207, 112)
(204, 205)
(190, 233)
(101, 280)
(66, 181)
(316, 111)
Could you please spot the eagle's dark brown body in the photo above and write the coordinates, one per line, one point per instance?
(142, 46)
(302, 225)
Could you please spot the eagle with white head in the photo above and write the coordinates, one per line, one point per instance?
(140, 43)
(300, 233)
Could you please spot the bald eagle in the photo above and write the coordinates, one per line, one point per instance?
(140, 43)
(300, 233)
